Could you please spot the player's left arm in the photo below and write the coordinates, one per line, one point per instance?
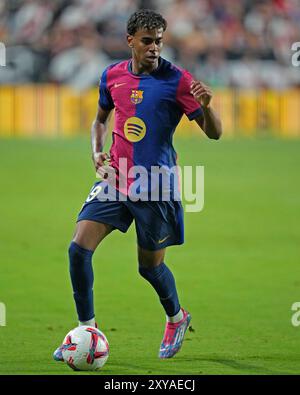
(208, 121)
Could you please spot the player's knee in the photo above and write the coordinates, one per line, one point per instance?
(78, 254)
(85, 242)
(144, 271)
(148, 264)
(150, 259)
(80, 240)
(74, 253)
(151, 273)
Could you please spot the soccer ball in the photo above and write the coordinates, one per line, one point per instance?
(85, 348)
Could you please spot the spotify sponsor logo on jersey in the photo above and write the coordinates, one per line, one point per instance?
(134, 129)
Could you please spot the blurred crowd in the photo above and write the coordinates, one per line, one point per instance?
(242, 43)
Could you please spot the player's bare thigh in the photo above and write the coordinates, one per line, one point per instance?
(88, 234)
(149, 258)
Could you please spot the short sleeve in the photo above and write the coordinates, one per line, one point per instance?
(105, 99)
(185, 99)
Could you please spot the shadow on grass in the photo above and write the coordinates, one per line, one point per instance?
(243, 367)
(199, 366)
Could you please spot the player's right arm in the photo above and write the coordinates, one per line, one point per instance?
(99, 132)
(99, 127)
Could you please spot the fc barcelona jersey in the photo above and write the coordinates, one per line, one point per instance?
(148, 107)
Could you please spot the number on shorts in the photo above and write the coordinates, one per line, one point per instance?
(94, 192)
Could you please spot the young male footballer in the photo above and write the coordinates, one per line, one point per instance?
(149, 96)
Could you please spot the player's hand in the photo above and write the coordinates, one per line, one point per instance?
(102, 164)
(201, 93)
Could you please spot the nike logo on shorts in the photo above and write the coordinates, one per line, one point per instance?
(164, 239)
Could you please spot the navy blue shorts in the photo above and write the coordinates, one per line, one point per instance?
(158, 224)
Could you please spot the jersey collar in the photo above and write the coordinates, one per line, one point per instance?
(154, 72)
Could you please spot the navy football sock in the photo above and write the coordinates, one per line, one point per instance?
(82, 278)
(162, 280)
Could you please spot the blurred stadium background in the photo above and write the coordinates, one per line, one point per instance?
(57, 49)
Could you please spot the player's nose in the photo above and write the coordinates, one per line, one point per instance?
(154, 48)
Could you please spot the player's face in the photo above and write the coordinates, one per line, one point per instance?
(146, 47)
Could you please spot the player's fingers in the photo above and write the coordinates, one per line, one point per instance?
(200, 86)
(196, 84)
(99, 163)
(105, 156)
(102, 159)
(200, 92)
(198, 89)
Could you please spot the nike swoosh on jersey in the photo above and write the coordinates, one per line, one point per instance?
(164, 239)
(117, 85)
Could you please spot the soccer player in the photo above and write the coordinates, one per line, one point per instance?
(149, 96)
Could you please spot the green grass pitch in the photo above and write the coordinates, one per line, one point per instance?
(237, 273)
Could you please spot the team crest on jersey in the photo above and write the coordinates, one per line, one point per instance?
(136, 96)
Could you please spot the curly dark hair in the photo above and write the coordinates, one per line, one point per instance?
(145, 19)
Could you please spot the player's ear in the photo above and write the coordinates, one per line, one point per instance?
(130, 40)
